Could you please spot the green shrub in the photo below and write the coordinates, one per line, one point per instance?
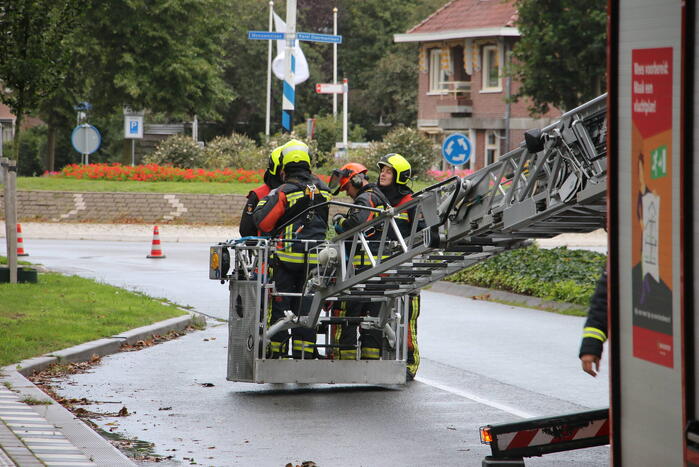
(32, 151)
(328, 131)
(553, 274)
(236, 151)
(178, 151)
(419, 150)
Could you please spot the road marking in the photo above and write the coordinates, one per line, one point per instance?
(475, 398)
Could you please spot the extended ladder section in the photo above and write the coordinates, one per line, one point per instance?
(554, 183)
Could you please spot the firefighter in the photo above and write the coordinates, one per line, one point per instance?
(272, 180)
(300, 190)
(352, 179)
(595, 330)
(395, 172)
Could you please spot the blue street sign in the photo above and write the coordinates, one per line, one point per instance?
(313, 37)
(456, 149)
(265, 35)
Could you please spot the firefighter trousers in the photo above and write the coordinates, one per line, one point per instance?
(370, 339)
(291, 277)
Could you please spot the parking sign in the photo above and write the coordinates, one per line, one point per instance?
(133, 126)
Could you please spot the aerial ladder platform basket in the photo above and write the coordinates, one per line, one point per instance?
(553, 183)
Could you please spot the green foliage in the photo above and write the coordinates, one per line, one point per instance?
(178, 151)
(32, 151)
(328, 131)
(33, 54)
(235, 151)
(560, 58)
(160, 55)
(114, 186)
(552, 274)
(419, 150)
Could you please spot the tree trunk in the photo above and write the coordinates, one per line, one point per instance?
(15, 138)
(51, 148)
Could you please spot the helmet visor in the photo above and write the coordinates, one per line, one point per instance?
(338, 179)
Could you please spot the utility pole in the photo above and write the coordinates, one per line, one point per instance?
(9, 169)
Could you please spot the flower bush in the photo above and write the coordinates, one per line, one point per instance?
(439, 175)
(234, 151)
(178, 151)
(156, 173)
(159, 173)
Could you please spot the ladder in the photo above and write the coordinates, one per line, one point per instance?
(553, 183)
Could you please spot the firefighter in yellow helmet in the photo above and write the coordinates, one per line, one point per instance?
(299, 191)
(395, 172)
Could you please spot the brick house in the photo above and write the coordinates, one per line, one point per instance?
(463, 49)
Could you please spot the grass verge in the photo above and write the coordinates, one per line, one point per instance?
(62, 311)
(216, 188)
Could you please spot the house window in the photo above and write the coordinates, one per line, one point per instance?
(492, 146)
(437, 74)
(491, 69)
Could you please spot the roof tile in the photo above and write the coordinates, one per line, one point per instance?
(469, 14)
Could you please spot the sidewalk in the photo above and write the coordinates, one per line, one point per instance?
(37, 431)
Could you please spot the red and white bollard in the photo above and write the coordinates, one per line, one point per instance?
(20, 242)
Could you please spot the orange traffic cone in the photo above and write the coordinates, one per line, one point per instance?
(155, 250)
(20, 242)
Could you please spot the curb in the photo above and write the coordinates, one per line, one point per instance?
(67, 427)
(471, 291)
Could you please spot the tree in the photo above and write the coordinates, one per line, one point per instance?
(560, 58)
(161, 55)
(33, 57)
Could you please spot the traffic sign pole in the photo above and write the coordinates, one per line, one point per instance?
(269, 73)
(289, 92)
(345, 106)
(335, 63)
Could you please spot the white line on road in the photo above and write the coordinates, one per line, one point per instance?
(475, 398)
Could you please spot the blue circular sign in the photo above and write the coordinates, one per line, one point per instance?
(456, 149)
(86, 139)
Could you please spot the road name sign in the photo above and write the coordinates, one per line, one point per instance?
(313, 37)
(457, 149)
(265, 35)
(330, 88)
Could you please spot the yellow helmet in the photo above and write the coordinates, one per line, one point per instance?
(275, 161)
(295, 151)
(399, 164)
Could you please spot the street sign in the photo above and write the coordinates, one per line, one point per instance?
(265, 35)
(313, 37)
(133, 126)
(456, 149)
(86, 139)
(330, 88)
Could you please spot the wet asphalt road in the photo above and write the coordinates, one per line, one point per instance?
(481, 363)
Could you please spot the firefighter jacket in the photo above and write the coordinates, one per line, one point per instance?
(247, 225)
(396, 197)
(595, 330)
(369, 195)
(299, 192)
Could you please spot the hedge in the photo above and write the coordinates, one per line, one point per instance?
(556, 274)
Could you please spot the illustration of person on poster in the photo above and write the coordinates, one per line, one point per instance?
(652, 219)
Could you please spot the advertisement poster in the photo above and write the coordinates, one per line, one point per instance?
(651, 204)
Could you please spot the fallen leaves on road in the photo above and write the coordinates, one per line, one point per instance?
(303, 464)
(481, 297)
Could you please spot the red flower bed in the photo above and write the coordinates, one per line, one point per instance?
(158, 173)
